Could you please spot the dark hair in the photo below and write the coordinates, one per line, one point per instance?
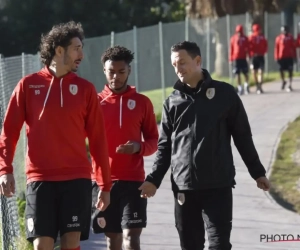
(59, 35)
(285, 28)
(117, 53)
(191, 48)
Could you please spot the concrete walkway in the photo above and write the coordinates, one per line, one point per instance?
(255, 212)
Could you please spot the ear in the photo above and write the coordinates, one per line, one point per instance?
(59, 51)
(104, 70)
(198, 60)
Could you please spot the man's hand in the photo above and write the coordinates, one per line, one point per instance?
(130, 147)
(263, 183)
(148, 189)
(103, 200)
(7, 185)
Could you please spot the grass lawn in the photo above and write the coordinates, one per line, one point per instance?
(285, 176)
(156, 94)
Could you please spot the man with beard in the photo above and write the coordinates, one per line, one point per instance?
(60, 110)
(132, 133)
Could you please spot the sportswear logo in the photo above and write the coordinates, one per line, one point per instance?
(30, 224)
(180, 198)
(210, 93)
(101, 222)
(135, 215)
(131, 104)
(37, 91)
(74, 218)
(73, 89)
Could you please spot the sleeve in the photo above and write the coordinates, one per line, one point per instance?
(250, 46)
(12, 125)
(241, 132)
(231, 49)
(276, 49)
(163, 155)
(95, 129)
(149, 131)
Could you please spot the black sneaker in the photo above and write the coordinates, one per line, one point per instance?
(283, 85)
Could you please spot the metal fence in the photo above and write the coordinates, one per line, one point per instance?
(12, 69)
(151, 69)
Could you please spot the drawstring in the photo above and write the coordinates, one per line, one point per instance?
(48, 93)
(46, 99)
(121, 100)
(61, 94)
(106, 97)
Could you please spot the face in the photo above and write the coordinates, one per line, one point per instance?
(185, 66)
(71, 56)
(117, 73)
(283, 31)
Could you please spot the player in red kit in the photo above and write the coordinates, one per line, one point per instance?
(132, 131)
(60, 110)
(258, 47)
(285, 54)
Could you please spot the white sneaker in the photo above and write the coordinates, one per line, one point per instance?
(246, 90)
(240, 90)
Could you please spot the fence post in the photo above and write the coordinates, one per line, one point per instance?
(112, 39)
(208, 44)
(228, 43)
(282, 18)
(135, 48)
(187, 34)
(266, 26)
(23, 64)
(162, 66)
(295, 35)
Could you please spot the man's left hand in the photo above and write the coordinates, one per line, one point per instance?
(131, 147)
(103, 200)
(263, 183)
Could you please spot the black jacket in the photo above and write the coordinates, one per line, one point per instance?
(195, 137)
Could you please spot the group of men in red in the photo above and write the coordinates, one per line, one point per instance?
(255, 47)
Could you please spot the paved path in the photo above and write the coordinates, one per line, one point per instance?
(255, 212)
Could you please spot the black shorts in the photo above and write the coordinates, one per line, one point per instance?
(240, 66)
(286, 64)
(58, 206)
(126, 210)
(258, 62)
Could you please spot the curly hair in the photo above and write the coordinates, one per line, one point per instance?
(117, 53)
(191, 48)
(59, 35)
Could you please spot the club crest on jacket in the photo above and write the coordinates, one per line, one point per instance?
(210, 93)
(73, 89)
(131, 104)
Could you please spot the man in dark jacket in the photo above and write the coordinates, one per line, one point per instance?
(199, 118)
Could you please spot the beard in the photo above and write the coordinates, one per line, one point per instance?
(121, 87)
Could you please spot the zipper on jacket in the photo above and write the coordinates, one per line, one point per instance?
(121, 104)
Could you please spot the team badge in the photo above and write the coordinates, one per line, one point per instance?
(73, 89)
(210, 93)
(131, 104)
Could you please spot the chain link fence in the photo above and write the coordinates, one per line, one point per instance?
(151, 69)
(12, 69)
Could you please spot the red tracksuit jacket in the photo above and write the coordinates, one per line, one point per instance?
(284, 47)
(239, 45)
(59, 114)
(128, 116)
(258, 45)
